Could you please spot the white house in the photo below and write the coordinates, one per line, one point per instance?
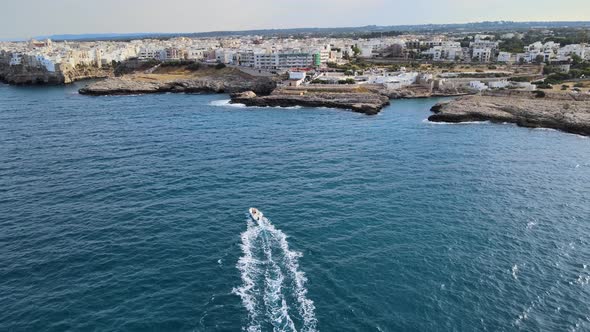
(296, 78)
(445, 51)
(45, 62)
(297, 75)
(505, 57)
(525, 86)
(478, 85)
(498, 84)
(482, 54)
(394, 82)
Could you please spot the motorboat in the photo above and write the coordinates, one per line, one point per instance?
(256, 214)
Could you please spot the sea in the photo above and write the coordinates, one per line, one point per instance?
(130, 213)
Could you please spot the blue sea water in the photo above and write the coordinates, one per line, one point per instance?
(129, 213)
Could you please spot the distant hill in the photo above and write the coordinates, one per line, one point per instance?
(371, 30)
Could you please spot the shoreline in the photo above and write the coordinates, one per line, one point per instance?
(565, 112)
(63, 75)
(369, 103)
(560, 111)
(226, 80)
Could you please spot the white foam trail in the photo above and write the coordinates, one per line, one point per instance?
(274, 300)
(248, 265)
(266, 267)
(306, 307)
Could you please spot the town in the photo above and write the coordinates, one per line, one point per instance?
(448, 62)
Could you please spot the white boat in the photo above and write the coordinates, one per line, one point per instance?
(256, 214)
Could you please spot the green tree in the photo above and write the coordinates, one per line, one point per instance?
(512, 45)
(576, 60)
(583, 36)
(356, 50)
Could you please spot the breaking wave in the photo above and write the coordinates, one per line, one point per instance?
(225, 102)
(455, 123)
(228, 103)
(273, 288)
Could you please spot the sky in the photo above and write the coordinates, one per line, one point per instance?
(26, 19)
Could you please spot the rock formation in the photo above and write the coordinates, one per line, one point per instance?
(562, 111)
(22, 75)
(369, 103)
(226, 82)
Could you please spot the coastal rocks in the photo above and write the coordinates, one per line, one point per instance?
(243, 95)
(20, 75)
(368, 103)
(215, 84)
(73, 74)
(26, 75)
(417, 92)
(408, 93)
(564, 113)
(119, 86)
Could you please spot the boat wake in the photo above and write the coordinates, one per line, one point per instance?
(273, 288)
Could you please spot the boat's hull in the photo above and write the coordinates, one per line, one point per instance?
(256, 215)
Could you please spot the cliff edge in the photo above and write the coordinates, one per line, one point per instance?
(562, 111)
(366, 102)
(226, 80)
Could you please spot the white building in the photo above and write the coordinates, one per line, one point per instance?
(394, 81)
(482, 54)
(447, 51)
(283, 60)
(44, 62)
(539, 51)
(296, 60)
(581, 50)
(483, 50)
(296, 78)
(525, 86)
(505, 57)
(195, 54)
(148, 53)
(478, 85)
(499, 84)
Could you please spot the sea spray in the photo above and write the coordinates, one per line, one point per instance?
(273, 288)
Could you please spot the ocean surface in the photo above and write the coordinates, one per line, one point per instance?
(129, 213)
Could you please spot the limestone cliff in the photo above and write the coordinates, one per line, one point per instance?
(227, 80)
(64, 74)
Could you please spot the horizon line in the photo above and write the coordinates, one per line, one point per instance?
(155, 33)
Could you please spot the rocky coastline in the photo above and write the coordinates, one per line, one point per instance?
(369, 103)
(420, 92)
(23, 75)
(223, 81)
(561, 111)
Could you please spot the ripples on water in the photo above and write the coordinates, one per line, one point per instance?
(127, 213)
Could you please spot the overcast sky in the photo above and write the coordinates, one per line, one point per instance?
(28, 18)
